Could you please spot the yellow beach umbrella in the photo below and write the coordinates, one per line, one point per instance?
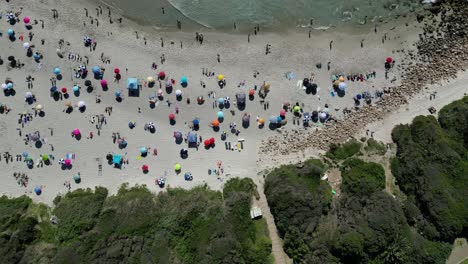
(150, 79)
(220, 77)
(341, 79)
(39, 107)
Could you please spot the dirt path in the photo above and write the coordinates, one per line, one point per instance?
(276, 241)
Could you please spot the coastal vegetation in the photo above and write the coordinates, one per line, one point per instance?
(365, 224)
(137, 226)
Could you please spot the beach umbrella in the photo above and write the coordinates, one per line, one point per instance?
(145, 168)
(178, 135)
(131, 125)
(342, 86)
(103, 83)
(150, 79)
(261, 121)
(96, 70)
(64, 90)
(206, 142)
(143, 150)
(322, 115)
(296, 108)
(76, 178)
(26, 45)
(76, 88)
(57, 71)
(171, 116)
(28, 158)
(161, 75)
(246, 117)
(25, 154)
(76, 132)
(117, 93)
(251, 92)
(67, 162)
(183, 79)
(39, 107)
(220, 77)
(273, 119)
(36, 56)
(221, 101)
(116, 70)
(212, 140)
(4, 86)
(67, 103)
(45, 157)
(28, 95)
(168, 84)
(160, 92)
(26, 20)
(81, 104)
(177, 167)
(341, 79)
(220, 114)
(9, 85)
(215, 123)
(279, 119)
(38, 190)
(282, 112)
(10, 32)
(196, 122)
(178, 92)
(389, 60)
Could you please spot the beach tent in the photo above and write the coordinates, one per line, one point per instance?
(132, 83)
(192, 139)
(116, 159)
(132, 86)
(240, 97)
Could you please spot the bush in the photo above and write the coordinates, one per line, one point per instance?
(344, 151)
(362, 178)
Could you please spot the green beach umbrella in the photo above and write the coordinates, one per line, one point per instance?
(177, 167)
(77, 178)
(45, 157)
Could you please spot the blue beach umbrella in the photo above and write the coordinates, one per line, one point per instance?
(273, 119)
(143, 150)
(96, 70)
(220, 114)
(53, 89)
(221, 101)
(76, 88)
(279, 119)
(342, 86)
(183, 79)
(10, 32)
(36, 56)
(57, 71)
(117, 93)
(196, 122)
(38, 190)
(25, 154)
(10, 86)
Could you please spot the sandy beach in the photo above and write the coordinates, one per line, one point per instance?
(292, 52)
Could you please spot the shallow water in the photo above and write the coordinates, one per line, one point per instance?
(273, 14)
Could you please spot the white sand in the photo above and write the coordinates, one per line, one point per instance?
(290, 52)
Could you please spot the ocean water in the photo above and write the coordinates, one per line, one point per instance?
(273, 14)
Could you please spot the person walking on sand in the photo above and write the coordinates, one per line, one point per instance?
(219, 59)
(331, 45)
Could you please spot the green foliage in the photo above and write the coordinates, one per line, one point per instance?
(362, 178)
(432, 166)
(298, 198)
(339, 152)
(78, 212)
(375, 147)
(137, 226)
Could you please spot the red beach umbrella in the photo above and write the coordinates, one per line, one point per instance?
(144, 168)
(162, 75)
(389, 60)
(251, 92)
(67, 162)
(116, 70)
(207, 142)
(26, 20)
(212, 141)
(282, 112)
(171, 116)
(64, 90)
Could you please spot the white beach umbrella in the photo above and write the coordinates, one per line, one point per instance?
(322, 115)
(81, 104)
(178, 92)
(4, 86)
(342, 86)
(28, 95)
(26, 45)
(39, 107)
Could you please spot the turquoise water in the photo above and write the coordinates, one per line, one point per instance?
(222, 14)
